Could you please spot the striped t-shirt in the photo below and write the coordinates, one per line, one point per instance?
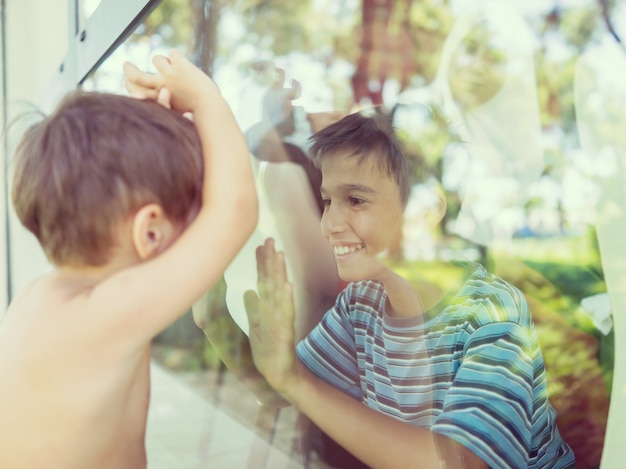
(469, 369)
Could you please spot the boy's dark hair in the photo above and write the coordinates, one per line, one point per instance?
(98, 158)
(366, 134)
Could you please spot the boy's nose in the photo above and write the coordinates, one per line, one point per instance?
(333, 220)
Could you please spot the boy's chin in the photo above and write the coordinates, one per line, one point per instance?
(351, 276)
(368, 268)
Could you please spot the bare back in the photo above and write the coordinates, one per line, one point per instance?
(71, 396)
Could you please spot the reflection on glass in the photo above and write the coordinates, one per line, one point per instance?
(487, 98)
(600, 101)
(486, 86)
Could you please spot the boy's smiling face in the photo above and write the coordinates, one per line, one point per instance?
(362, 213)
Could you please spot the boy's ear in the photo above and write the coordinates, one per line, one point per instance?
(150, 230)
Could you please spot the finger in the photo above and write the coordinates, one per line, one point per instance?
(268, 259)
(270, 254)
(260, 266)
(161, 63)
(177, 61)
(262, 253)
(164, 98)
(139, 92)
(176, 56)
(251, 304)
(296, 89)
(287, 303)
(140, 79)
(280, 268)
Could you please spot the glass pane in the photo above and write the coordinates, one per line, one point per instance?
(513, 118)
(85, 10)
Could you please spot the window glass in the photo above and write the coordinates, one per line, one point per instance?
(85, 10)
(510, 108)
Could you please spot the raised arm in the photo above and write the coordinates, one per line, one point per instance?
(377, 439)
(149, 296)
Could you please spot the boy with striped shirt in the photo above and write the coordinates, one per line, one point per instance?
(396, 376)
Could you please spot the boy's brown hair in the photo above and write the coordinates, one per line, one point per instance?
(366, 134)
(98, 158)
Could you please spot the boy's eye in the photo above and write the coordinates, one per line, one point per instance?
(326, 203)
(355, 201)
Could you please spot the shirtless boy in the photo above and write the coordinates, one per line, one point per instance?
(139, 210)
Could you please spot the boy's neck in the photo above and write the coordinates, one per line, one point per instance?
(122, 256)
(80, 277)
(409, 299)
(86, 277)
(402, 299)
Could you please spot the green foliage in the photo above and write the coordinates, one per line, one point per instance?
(428, 24)
(171, 21)
(572, 280)
(426, 132)
(579, 26)
(276, 25)
(555, 89)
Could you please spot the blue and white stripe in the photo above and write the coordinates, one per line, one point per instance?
(470, 369)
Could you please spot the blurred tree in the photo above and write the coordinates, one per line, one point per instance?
(564, 32)
(372, 67)
(279, 26)
(399, 40)
(171, 22)
(206, 16)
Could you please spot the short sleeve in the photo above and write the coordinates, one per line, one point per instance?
(489, 405)
(329, 350)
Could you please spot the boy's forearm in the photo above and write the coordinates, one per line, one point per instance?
(229, 173)
(377, 439)
(229, 194)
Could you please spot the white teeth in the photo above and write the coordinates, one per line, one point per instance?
(341, 250)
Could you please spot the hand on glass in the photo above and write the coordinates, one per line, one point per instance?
(271, 321)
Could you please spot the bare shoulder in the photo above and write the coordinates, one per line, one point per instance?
(30, 301)
(51, 314)
(53, 330)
